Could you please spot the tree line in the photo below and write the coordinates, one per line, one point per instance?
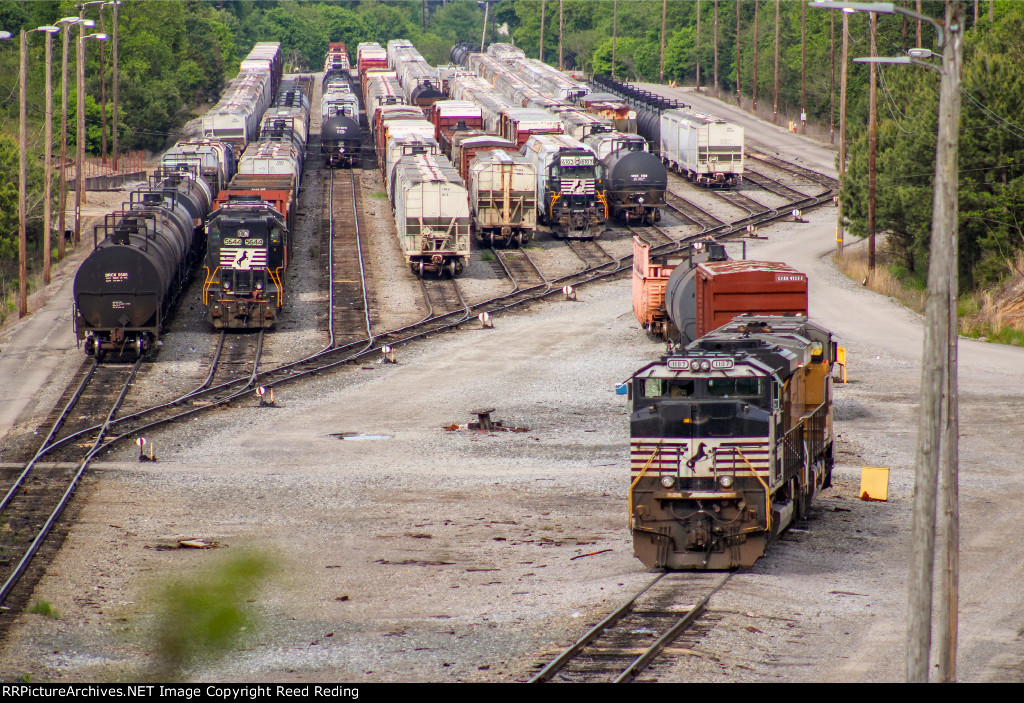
(175, 57)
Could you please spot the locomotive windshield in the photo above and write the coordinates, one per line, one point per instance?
(696, 408)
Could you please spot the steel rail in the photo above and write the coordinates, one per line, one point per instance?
(44, 531)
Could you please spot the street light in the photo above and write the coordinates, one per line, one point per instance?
(103, 82)
(938, 441)
(80, 160)
(67, 23)
(49, 30)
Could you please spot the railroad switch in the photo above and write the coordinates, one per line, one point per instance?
(144, 453)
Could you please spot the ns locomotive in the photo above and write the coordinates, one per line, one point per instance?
(730, 440)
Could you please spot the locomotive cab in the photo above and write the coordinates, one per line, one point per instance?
(572, 193)
(730, 440)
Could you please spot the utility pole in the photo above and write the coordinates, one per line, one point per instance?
(716, 48)
(22, 215)
(117, 4)
(775, 106)
(920, 27)
(832, 78)
(63, 202)
(872, 147)
(47, 162)
(757, 6)
(664, 12)
(842, 129)
(938, 386)
(739, 94)
(615, 31)
(697, 50)
(80, 139)
(483, 35)
(561, 27)
(803, 66)
(103, 94)
(543, 13)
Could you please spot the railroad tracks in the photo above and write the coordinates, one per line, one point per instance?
(216, 391)
(626, 642)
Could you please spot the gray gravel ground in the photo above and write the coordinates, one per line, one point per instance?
(432, 555)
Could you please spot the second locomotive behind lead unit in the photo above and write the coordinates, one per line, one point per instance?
(731, 438)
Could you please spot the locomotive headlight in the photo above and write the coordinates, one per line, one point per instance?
(705, 365)
(226, 285)
(725, 481)
(259, 285)
(668, 481)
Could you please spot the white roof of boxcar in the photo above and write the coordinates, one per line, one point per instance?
(694, 117)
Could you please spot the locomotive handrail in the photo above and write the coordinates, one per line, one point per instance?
(767, 493)
(654, 454)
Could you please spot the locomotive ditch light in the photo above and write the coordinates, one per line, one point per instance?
(668, 481)
(725, 481)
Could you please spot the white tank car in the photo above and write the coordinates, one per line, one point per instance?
(503, 197)
(432, 215)
(567, 196)
(706, 149)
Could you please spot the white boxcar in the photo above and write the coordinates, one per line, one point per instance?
(503, 197)
(705, 149)
(432, 215)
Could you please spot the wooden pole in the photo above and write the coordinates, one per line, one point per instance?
(775, 106)
(615, 31)
(543, 13)
(757, 6)
(47, 161)
(80, 139)
(739, 94)
(872, 147)
(697, 50)
(832, 78)
(664, 14)
(803, 66)
(842, 129)
(938, 377)
(22, 148)
(950, 459)
(63, 177)
(561, 28)
(103, 93)
(920, 26)
(116, 5)
(483, 35)
(716, 48)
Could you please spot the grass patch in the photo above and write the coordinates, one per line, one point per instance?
(43, 607)
(486, 255)
(378, 195)
(981, 315)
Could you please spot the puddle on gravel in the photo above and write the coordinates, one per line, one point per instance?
(356, 436)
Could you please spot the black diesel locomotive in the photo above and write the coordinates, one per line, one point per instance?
(731, 438)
